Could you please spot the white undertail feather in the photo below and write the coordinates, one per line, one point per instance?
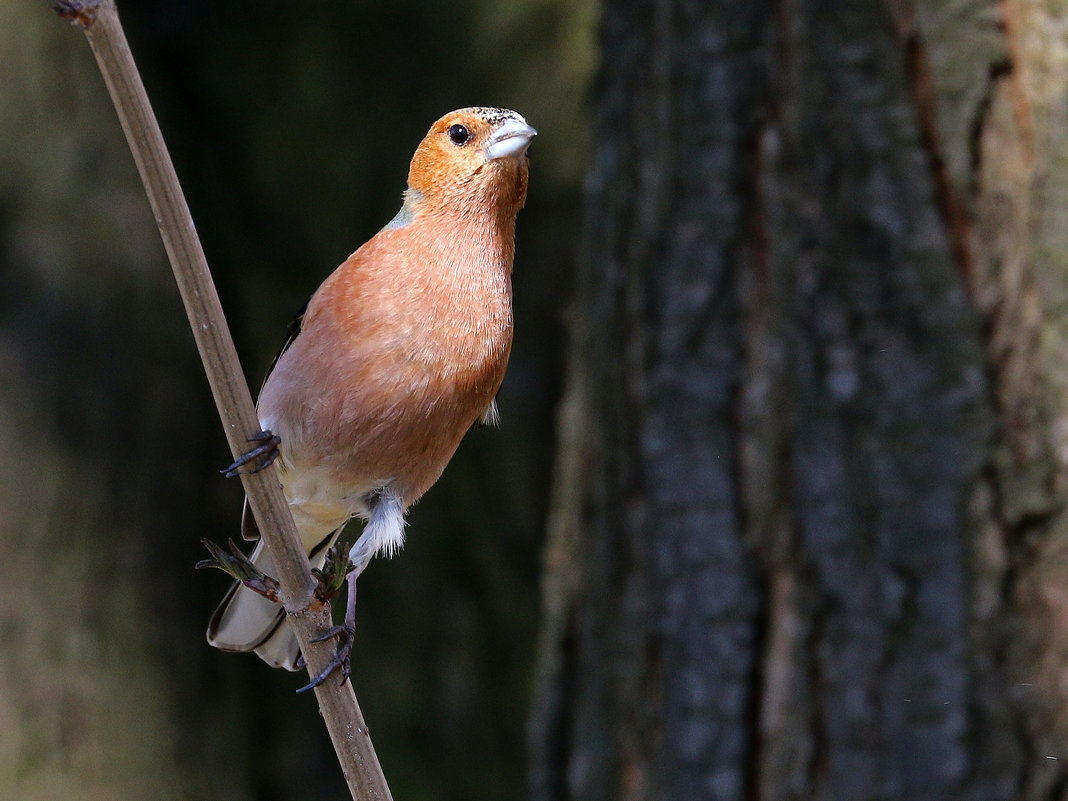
(491, 417)
(384, 532)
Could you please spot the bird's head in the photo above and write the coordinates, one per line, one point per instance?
(474, 160)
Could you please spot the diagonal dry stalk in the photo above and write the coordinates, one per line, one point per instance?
(348, 731)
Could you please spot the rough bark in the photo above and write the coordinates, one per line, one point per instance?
(806, 527)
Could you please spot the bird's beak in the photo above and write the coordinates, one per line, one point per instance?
(510, 139)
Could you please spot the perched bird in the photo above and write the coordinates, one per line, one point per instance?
(395, 357)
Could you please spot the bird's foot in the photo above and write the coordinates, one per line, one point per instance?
(265, 452)
(241, 568)
(345, 635)
(331, 576)
(336, 570)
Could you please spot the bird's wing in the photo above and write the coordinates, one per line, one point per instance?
(249, 530)
(291, 334)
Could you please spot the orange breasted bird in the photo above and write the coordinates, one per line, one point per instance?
(396, 356)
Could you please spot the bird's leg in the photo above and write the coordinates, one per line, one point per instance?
(345, 633)
(384, 532)
(266, 451)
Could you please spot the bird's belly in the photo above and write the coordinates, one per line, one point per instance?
(404, 447)
(409, 448)
(320, 500)
(387, 421)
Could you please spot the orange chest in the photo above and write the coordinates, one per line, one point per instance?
(391, 363)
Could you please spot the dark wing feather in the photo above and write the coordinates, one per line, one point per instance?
(291, 334)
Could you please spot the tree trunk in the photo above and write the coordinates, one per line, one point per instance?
(807, 539)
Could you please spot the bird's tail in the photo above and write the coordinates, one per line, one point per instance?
(246, 621)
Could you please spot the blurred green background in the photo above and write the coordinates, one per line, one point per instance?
(291, 127)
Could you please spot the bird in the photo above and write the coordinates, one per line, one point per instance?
(395, 357)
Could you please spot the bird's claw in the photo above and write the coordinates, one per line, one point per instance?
(266, 452)
(345, 635)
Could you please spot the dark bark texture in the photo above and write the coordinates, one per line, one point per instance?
(807, 539)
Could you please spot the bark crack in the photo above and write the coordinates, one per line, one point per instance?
(1009, 12)
(997, 72)
(921, 85)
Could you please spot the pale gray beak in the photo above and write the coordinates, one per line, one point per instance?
(511, 139)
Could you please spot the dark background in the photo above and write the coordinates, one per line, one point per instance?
(291, 127)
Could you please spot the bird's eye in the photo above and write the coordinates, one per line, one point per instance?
(459, 134)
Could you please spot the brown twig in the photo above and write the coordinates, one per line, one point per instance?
(308, 616)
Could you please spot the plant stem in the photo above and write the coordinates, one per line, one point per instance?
(340, 710)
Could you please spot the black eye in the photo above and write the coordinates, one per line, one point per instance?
(459, 134)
